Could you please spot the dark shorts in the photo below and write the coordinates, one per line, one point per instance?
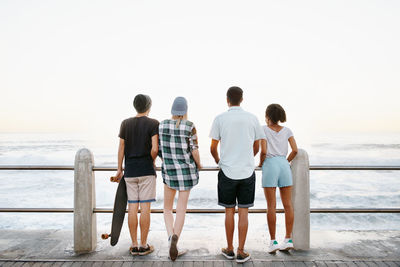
(232, 191)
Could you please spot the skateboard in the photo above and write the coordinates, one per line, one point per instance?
(121, 199)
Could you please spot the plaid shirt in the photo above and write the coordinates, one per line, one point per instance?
(178, 168)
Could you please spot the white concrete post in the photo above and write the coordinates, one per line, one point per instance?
(85, 228)
(301, 200)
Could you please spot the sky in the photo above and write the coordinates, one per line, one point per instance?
(75, 66)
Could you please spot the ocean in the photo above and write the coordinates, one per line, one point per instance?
(329, 189)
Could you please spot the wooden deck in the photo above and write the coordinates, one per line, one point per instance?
(329, 248)
(200, 263)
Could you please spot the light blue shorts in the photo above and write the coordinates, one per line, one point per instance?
(276, 172)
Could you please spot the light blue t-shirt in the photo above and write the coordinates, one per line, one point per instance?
(236, 130)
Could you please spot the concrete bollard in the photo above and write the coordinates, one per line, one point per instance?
(301, 200)
(85, 228)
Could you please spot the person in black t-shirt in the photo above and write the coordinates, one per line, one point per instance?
(138, 144)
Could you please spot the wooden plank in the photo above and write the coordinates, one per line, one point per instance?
(198, 264)
(47, 264)
(157, 264)
(370, 263)
(277, 264)
(320, 263)
(309, 264)
(36, 264)
(147, 264)
(107, 263)
(58, 264)
(127, 264)
(248, 263)
(208, 264)
(330, 263)
(87, 264)
(341, 264)
(258, 264)
(351, 264)
(95, 264)
(218, 264)
(77, 264)
(187, 264)
(6, 263)
(294, 264)
(391, 263)
(360, 264)
(167, 264)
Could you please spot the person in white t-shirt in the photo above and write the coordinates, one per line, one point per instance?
(276, 172)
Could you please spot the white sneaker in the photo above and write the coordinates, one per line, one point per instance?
(273, 246)
(287, 244)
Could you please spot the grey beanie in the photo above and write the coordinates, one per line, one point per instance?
(142, 103)
(179, 107)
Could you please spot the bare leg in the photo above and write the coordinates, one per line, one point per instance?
(133, 222)
(270, 196)
(286, 196)
(181, 211)
(229, 226)
(169, 196)
(144, 222)
(243, 226)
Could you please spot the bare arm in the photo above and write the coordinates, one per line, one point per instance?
(154, 147)
(293, 145)
(256, 147)
(121, 154)
(214, 150)
(263, 153)
(196, 157)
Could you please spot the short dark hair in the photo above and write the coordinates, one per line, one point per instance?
(142, 103)
(234, 95)
(275, 113)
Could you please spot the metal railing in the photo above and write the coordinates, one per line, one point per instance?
(200, 211)
(85, 210)
(107, 168)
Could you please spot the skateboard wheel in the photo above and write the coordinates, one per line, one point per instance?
(105, 236)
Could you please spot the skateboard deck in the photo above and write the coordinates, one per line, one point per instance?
(121, 199)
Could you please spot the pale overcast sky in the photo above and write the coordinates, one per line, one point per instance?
(75, 66)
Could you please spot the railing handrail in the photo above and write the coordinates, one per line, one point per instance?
(205, 211)
(208, 168)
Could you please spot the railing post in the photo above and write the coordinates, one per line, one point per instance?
(85, 229)
(301, 200)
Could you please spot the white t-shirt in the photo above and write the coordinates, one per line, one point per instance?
(237, 130)
(277, 142)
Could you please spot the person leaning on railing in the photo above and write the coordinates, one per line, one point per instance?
(276, 172)
(179, 169)
(239, 133)
(139, 146)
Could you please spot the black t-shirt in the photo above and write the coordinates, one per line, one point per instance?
(137, 133)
